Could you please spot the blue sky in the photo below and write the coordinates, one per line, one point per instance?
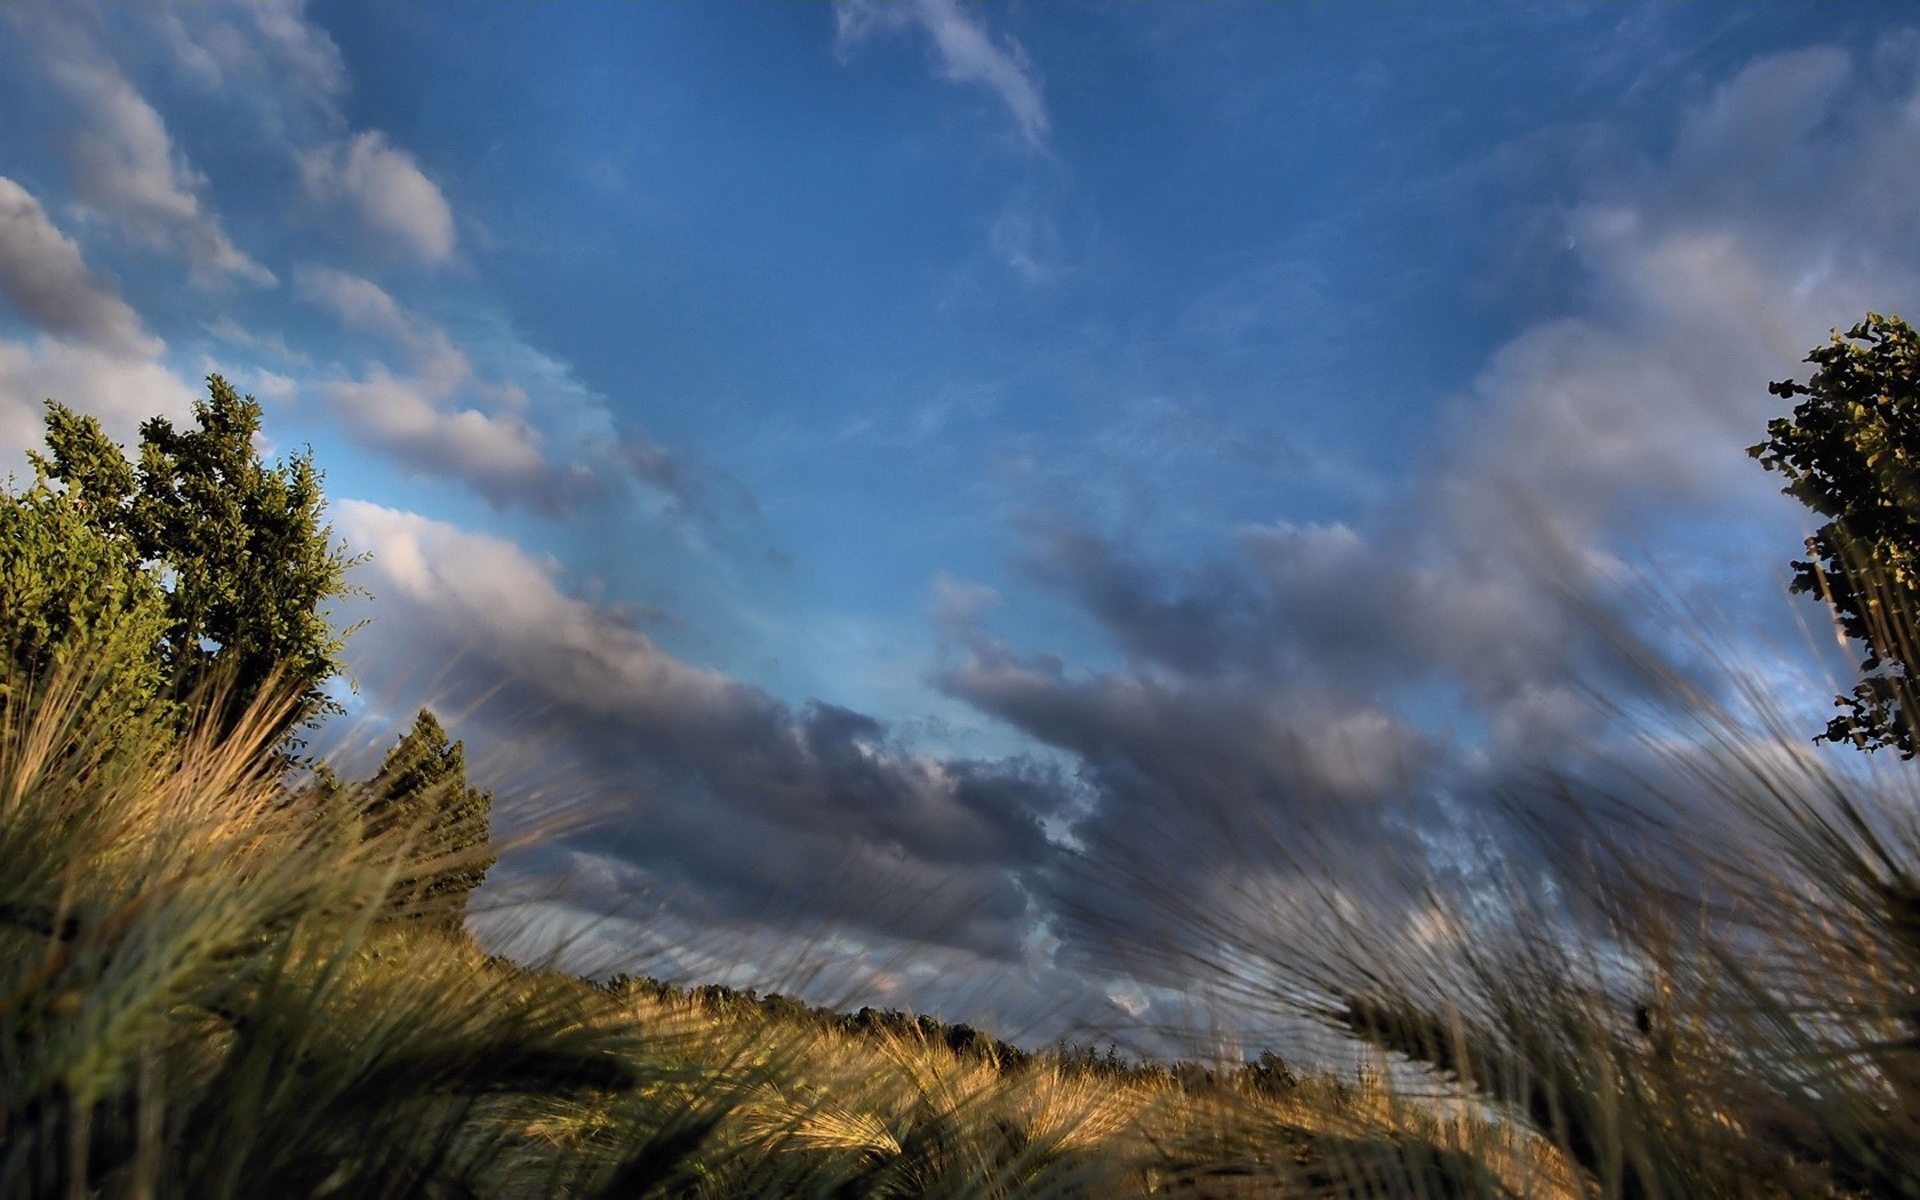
(906, 439)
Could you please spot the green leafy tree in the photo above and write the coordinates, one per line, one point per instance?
(1851, 453)
(245, 560)
(422, 788)
(75, 599)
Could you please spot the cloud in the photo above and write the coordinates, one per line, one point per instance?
(269, 385)
(265, 52)
(964, 52)
(657, 467)
(1024, 237)
(1349, 685)
(120, 390)
(271, 343)
(519, 432)
(499, 454)
(726, 791)
(439, 417)
(91, 351)
(385, 189)
(126, 168)
(362, 304)
(43, 276)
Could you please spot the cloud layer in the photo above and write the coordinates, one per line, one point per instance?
(729, 794)
(89, 348)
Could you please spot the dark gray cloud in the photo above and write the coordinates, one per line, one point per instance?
(1344, 702)
(661, 469)
(725, 791)
(1200, 772)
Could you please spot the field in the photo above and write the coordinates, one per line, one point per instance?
(212, 988)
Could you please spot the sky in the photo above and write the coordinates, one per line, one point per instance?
(879, 455)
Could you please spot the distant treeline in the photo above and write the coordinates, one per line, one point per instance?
(1267, 1073)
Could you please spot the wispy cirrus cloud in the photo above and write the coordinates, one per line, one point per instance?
(435, 414)
(265, 53)
(964, 52)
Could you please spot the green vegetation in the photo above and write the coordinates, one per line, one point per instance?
(232, 553)
(422, 787)
(1851, 452)
(71, 594)
(203, 994)
(206, 990)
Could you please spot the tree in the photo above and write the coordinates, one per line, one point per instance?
(75, 599)
(422, 790)
(245, 562)
(1851, 452)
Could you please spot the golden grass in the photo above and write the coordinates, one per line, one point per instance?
(210, 987)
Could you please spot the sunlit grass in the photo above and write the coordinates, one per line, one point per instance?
(1707, 985)
(214, 985)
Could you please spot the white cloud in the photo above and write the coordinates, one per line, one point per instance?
(500, 455)
(359, 302)
(258, 381)
(386, 189)
(441, 417)
(519, 431)
(507, 599)
(1709, 278)
(271, 343)
(121, 391)
(416, 417)
(964, 52)
(1774, 103)
(362, 304)
(44, 277)
(91, 352)
(263, 53)
(126, 168)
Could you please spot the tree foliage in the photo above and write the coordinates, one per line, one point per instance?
(236, 554)
(75, 599)
(1851, 452)
(184, 584)
(422, 787)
